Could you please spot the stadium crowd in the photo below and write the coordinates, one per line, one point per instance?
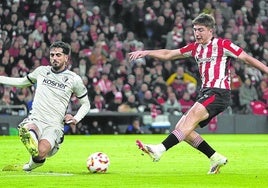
(102, 33)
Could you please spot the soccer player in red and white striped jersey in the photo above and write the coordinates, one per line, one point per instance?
(212, 56)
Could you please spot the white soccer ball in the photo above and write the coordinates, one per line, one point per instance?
(98, 162)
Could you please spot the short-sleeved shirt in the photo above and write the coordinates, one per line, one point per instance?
(53, 93)
(213, 60)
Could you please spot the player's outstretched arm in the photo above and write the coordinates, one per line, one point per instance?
(253, 62)
(17, 82)
(162, 54)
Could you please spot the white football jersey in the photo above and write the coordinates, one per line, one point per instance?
(53, 93)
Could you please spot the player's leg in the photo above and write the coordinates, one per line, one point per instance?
(214, 102)
(192, 137)
(48, 146)
(183, 128)
(29, 133)
(33, 164)
(216, 160)
(44, 148)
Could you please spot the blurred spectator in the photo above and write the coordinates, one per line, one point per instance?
(8, 62)
(172, 106)
(127, 91)
(247, 94)
(105, 83)
(220, 23)
(98, 104)
(134, 127)
(130, 43)
(96, 15)
(74, 105)
(180, 74)
(160, 32)
(95, 128)
(116, 10)
(2, 71)
(236, 83)
(180, 79)
(20, 70)
(5, 100)
(250, 11)
(174, 38)
(138, 19)
(168, 15)
(97, 57)
(186, 102)
(254, 74)
(168, 70)
(131, 81)
(116, 102)
(139, 74)
(194, 9)
(38, 54)
(111, 128)
(37, 35)
(95, 91)
(17, 97)
(159, 94)
(149, 103)
(208, 9)
(141, 92)
(119, 83)
(191, 89)
(72, 19)
(226, 11)
(131, 105)
(240, 18)
(14, 50)
(25, 57)
(263, 89)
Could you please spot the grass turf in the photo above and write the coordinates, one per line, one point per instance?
(181, 166)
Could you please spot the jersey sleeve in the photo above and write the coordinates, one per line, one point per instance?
(79, 89)
(32, 77)
(188, 50)
(231, 49)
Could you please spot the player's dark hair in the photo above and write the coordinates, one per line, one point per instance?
(205, 20)
(66, 49)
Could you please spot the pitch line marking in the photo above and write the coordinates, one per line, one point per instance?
(38, 174)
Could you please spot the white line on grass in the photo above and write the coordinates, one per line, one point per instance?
(38, 174)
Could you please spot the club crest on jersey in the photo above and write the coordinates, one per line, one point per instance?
(65, 79)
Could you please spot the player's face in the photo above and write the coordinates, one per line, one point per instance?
(58, 59)
(202, 34)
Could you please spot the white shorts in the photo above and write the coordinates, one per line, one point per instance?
(53, 134)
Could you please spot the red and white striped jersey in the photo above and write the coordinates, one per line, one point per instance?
(213, 60)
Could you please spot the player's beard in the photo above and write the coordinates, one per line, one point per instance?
(57, 66)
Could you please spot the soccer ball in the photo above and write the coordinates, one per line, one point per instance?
(98, 162)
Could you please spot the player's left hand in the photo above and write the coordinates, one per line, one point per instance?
(137, 54)
(69, 119)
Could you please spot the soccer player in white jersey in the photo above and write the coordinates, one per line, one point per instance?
(212, 56)
(42, 131)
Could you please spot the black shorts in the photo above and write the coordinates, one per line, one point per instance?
(215, 100)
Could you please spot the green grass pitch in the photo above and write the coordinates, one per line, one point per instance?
(181, 166)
